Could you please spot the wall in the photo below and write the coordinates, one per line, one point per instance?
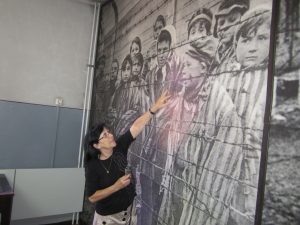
(43, 72)
(197, 162)
(47, 47)
(44, 52)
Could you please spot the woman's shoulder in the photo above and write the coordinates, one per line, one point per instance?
(91, 163)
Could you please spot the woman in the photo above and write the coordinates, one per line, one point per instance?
(106, 158)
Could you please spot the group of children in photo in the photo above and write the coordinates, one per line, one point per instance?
(198, 160)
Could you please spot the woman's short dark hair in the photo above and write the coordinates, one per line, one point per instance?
(126, 59)
(136, 40)
(90, 139)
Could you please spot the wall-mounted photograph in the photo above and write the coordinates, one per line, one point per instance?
(198, 159)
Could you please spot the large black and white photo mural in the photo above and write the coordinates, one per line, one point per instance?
(197, 161)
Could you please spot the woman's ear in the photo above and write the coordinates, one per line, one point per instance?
(95, 145)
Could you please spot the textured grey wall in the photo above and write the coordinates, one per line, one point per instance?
(44, 50)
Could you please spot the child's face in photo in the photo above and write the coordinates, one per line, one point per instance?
(134, 49)
(114, 71)
(126, 73)
(253, 49)
(136, 67)
(226, 25)
(107, 77)
(198, 30)
(157, 28)
(163, 49)
(193, 73)
(100, 70)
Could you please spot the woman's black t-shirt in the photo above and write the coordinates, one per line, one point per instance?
(97, 178)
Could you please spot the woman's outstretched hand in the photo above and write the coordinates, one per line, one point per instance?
(161, 102)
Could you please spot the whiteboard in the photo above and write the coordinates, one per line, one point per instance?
(47, 192)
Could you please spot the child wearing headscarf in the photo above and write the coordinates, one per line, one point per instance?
(199, 32)
(197, 132)
(226, 21)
